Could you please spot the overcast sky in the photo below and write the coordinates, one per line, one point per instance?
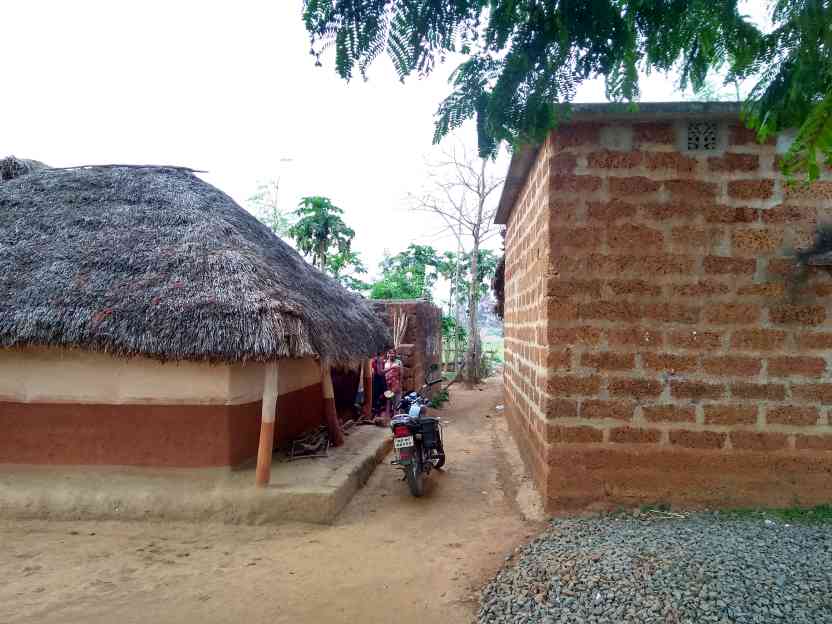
(228, 87)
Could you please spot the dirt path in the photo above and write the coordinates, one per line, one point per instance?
(389, 558)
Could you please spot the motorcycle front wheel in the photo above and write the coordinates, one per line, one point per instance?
(415, 476)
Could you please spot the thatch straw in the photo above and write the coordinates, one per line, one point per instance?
(154, 261)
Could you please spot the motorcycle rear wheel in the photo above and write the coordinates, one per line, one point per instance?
(439, 460)
(414, 474)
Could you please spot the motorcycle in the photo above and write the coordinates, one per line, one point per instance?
(417, 439)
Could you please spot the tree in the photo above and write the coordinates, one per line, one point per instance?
(456, 268)
(461, 192)
(408, 275)
(525, 58)
(320, 232)
(263, 205)
(345, 267)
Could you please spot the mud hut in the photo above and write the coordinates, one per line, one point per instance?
(147, 319)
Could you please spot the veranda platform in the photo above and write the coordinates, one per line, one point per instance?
(304, 490)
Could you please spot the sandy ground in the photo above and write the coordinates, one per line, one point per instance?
(389, 558)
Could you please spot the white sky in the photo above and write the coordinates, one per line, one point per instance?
(228, 87)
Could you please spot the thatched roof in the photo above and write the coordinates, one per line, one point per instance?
(154, 261)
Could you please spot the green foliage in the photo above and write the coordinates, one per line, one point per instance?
(408, 274)
(345, 267)
(319, 231)
(486, 267)
(439, 398)
(525, 58)
(263, 205)
(451, 331)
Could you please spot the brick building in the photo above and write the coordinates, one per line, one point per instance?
(659, 347)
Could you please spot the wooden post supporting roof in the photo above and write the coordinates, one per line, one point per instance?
(268, 416)
(336, 436)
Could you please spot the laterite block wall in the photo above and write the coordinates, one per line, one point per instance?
(422, 344)
(658, 345)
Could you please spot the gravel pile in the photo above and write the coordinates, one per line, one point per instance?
(658, 567)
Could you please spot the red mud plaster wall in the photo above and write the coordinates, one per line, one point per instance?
(663, 355)
(192, 436)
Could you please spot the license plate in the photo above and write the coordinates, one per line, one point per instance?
(403, 442)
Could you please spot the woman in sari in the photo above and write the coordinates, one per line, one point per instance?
(393, 376)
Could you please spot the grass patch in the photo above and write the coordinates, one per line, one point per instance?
(820, 514)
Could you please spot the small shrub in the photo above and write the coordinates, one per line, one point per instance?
(439, 398)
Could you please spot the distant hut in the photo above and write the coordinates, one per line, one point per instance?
(147, 319)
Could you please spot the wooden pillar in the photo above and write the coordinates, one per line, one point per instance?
(336, 436)
(367, 408)
(268, 416)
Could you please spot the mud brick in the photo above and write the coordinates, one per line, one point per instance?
(728, 215)
(723, 265)
(633, 185)
(697, 439)
(814, 442)
(733, 313)
(758, 441)
(607, 360)
(730, 414)
(607, 159)
(669, 413)
(671, 312)
(662, 133)
(796, 366)
(687, 189)
(706, 288)
(792, 415)
(669, 160)
(563, 183)
(801, 314)
(751, 189)
(634, 337)
(786, 214)
(634, 287)
(758, 339)
(597, 410)
(756, 241)
(815, 393)
(561, 408)
(564, 162)
(577, 134)
(732, 366)
(759, 392)
(610, 211)
(669, 362)
(634, 435)
(610, 310)
(699, 340)
(635, 388)
(572, 385)
(696, 390)
(733, 161)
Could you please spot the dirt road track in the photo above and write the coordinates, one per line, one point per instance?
(389, 558)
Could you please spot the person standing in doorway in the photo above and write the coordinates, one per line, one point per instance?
(379, 384)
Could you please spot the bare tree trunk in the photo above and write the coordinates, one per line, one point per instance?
(472, 359)
(457, 315)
